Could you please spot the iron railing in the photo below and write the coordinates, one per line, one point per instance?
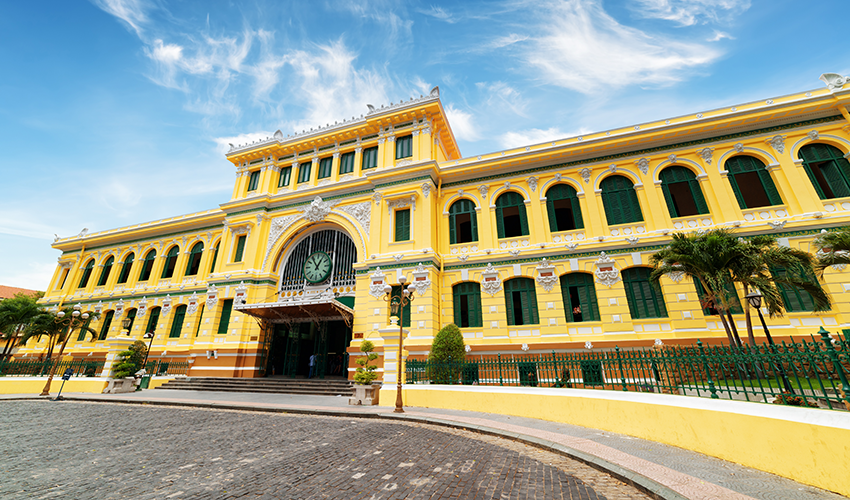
(801, 373)
(159, 367)
(35, 368)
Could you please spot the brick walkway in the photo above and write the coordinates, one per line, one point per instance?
(664, 471)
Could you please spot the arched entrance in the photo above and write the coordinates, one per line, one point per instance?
(311, 318)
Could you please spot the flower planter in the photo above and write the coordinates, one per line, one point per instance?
(366, 395)
(120, 385)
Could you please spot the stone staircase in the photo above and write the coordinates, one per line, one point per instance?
(311, 387)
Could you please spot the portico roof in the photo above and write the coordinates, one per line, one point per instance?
(322, 308)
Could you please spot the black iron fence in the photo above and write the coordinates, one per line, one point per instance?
(801, 373)
(35, 368)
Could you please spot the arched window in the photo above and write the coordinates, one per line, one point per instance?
(170, 262)
(467, 304)
(579, 295)
(795, 299)
(645, 299)
(463, 222)
(682, 192)
(195, 255)
(107, 323)
(215, 256)
(131, 315)
(147, 266)
(563, 208)
(511, 219)
(104, 274)
(177, 324)
(828, 170)
(521, 301)
(153, 319)
(620, 200)
(751, 182)
(125, 269)
(84, 280)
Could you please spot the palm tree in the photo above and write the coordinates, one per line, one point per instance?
(718, 259)
(833, 249)
(15, 314)
(45, 324)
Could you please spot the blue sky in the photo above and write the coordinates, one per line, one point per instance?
(115, 112)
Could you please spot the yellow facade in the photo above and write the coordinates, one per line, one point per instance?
(428, 177)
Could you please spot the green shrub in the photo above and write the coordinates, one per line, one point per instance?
(448, 344)
(365, 373)
(130, 360)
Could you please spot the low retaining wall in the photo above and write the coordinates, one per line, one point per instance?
(807, 445)
(91, 385)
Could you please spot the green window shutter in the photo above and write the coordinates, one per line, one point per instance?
(635, 213)
(668, 197)
(835, 178)
(224, 321)
(565, 298)
(699, 199)
(579, 220)
(104, 274)
(170, 262)
(200, 315)
(304, 172)
(563, 192)
(254, 180)
(107, 323)
(285, 174)
(811, 174)
(402, 225)
(586, 295)
(795, 299)
(474, 303)
(506, 200)
(325, 167)
(474, 218)
(737, 190)
(125, 269)
(84, 280)
(509, 302)
(620, 200)
(403, 147)
(550, 212)
(462, 206)
(240, 248)
(147, 266)
(458, 313)
(524, 287)
(452, 229)
(769, 187)
(370, 158)
(153, 319)
(194, 262)
(500, 222)
(215, 256)
(177, 323)
(346, 163)
(645, 300)
(523, 219)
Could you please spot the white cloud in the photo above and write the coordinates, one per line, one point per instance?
(720, 35)
(690, 12)
(518, 138)
(131, 12)
(504, 41)
(439, 13)
(461, 123)
(223, 143)
(584, 49)
(500, 95)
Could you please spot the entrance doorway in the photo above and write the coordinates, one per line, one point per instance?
(292, 345)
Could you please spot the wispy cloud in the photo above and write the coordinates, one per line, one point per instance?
(223, 143)
(462, 124)
(690, 12)
(583, 48)
(518, 138)
(132, 12)
(720, 35)
(504, 41)
(439, 13)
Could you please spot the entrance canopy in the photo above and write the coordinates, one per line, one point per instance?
(318, 309)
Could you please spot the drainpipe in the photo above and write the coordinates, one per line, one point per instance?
(440, 277)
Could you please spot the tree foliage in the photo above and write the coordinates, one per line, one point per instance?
(15, 314)
(448, 344)
(365, 373)
(130, 360)
(833, 249)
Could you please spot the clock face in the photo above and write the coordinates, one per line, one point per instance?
(317, 268)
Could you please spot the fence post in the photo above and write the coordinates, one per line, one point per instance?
(707, 371)
(836, 363)
(620, 363)
(501, 382)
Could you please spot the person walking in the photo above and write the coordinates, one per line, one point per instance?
(312, 366)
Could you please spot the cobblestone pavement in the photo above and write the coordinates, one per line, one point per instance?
(88, 450)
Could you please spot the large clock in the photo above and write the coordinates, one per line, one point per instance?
(317, 267)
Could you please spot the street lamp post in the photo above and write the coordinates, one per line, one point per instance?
(76, 320)
(754, 298)
(397, 305)
(149, 335)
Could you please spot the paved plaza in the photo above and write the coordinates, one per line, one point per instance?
(79, 450)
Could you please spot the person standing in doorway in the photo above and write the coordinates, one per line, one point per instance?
(312, 366)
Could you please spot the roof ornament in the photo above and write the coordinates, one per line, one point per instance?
(834, 80)
(278, 135)
(435, 92)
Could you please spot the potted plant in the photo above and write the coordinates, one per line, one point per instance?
(366, 390)
(130, 361)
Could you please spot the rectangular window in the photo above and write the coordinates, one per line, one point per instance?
(396, 294)
(346, 163)
(177, 324)
(224, 322)
(402, 225)
(254, 181)
(200, 315)
(325, 167)
(153, 319)
(370, 158)
(64, 277)
(240, 248)
(467, 305)
(107, 323)
(404, 147)
(285, 174)
(304, 172)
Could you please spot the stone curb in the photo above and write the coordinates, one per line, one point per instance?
(650, 487)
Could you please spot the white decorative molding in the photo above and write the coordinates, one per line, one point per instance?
(612, 168)
(588, 345)
(317, 210)
(514, 251)
(279, 225)
(401, 203)
(776, 225)
(119, 308)
(490, 281)
(676, 276)
(546, 276)
(376, 286)
(813, 135)
(633, 240)
(532, 183)
(643, 165)
(672, 158)
(143, 308)
(98, 307)
(377, 198)
(483, 189)
(426, 189)
(362, 212)
(777, 142)
(463, 258)
(212, 296)
(398, 257)
(738, 147)
(241, 293)
(606, 272)
(585, 174)
(572, 246)
(524, 347)
(166, 305)
(834, 80)
(421, 282)
(706, 154)
(192, 308)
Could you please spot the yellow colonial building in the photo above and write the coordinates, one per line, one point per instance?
(538, 248)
